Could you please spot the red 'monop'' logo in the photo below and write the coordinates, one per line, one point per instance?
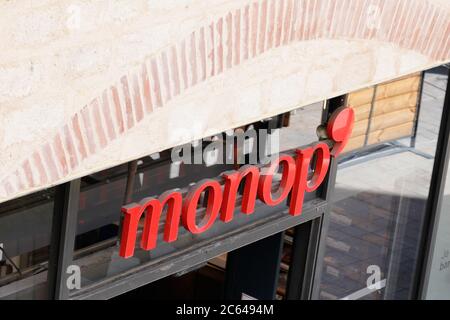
(222, 195)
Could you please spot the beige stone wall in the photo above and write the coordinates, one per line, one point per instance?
(86, 85)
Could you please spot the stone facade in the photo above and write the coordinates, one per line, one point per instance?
(86, 85)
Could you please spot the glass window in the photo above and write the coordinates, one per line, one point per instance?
(437, 285)
(302, 126)
(439, 278)
(380, 196)
(25, 231)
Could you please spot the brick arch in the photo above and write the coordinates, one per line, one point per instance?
(239, 35)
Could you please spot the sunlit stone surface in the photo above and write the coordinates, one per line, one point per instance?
(86, 85)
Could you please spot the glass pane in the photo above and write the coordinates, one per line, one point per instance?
(439, 278)
(103, 193)
(25, 231)
(302, 127)
(379, 205)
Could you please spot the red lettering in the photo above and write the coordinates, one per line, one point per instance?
(287, 181)
(296, 180)
(153, 207)
(212, 208)
(340, 127)
(302, 184)
(232, 181)
(132, 214)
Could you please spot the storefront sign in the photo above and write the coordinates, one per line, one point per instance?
(258, 183)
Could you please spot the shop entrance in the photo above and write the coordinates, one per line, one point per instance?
(260, 270)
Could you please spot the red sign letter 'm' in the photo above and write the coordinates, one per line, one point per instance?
(153, 208)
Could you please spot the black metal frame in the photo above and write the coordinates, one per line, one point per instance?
(435, 198)
(304, 260)
(412, 143)
(64, 227)
(254, 269)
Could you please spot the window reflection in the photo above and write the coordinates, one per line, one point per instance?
(380, 200)
(25, 229)
(437, 282)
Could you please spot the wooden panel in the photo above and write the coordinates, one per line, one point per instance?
(393, 114)
(362, 112)
(360, 97)
(355, 143)
(391, 133)
(392, 119)
(407, 100)
(360, 128)
(398, 87)
(416, 74)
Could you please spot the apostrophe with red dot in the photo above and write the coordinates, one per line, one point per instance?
(340, 127)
